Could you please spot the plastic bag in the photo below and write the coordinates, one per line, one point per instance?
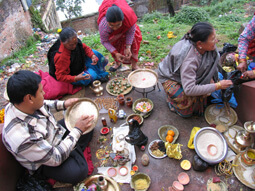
(227, 95)
(227, 47)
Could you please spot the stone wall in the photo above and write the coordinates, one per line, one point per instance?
(86, 24)
(49, 17)
(15, 27)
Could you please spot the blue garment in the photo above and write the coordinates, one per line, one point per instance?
(96, 72)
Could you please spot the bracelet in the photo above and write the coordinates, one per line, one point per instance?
(114, 52)
(253, 72)
(128, 45)
(218, 86)
(80, 131)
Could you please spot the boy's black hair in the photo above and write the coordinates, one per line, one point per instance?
(66, 34)
(22, 83)
(114, 14)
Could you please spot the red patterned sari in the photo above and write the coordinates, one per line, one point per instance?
(118, 37)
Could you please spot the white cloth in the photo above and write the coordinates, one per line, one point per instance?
(118, 178)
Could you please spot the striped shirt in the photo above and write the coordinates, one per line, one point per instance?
(247, 36)
(36, 139)
(105, 31)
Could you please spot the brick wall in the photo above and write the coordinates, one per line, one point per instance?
(15, 27)
(86, 24)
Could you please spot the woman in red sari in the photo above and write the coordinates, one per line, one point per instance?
(119, 32)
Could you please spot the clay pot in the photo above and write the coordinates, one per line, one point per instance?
(129, 101)
(121, 99)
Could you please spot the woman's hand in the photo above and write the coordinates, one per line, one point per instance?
(250, 74)
(127, 52)
(120, 57)
(94, 59)
(70, 102)
(223, 84)
(81, 76)
(242, 66)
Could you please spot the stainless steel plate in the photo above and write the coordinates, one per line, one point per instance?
(84, 106)
(157, 140)
(143, 78)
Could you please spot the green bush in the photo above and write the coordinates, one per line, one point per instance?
(191, 15)
(151, 17)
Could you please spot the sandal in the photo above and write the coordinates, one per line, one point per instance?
(112, 69)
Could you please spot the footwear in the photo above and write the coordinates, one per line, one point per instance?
(171, 107)
(104, 79)
(111, 69)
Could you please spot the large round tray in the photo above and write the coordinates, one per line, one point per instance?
(84, 106)
(216, 114)
(123, 80)
(149, 149)
(207, 137)
(143, 78)
(243, 172)
(112, 184)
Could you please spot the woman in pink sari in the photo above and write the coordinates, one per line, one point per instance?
(119, 32)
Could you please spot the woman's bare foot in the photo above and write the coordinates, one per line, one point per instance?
(134, 65)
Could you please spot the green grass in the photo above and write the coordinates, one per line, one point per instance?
(227, 26)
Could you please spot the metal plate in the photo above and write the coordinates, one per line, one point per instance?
(229, 136)
(112, 184)
(216, 114)
(123, 81)
(143, 78)
(84, 106)
(219, 186)
(207, 137)
(157, 140)
(143, 114)
(162, 132)
(243, 172)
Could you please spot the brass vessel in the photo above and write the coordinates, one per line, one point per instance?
(97, 88)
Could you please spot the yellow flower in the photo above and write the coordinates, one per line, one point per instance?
(170, 34)
(2, 116)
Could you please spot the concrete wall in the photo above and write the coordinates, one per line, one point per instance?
(49, 17)
(15, 27)
(86, 24)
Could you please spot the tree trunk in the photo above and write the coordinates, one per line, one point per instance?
(170, 7)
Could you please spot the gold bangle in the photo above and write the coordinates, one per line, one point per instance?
(253, 72)
(218, 86)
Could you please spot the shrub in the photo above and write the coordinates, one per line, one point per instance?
(191, 15)
(150, 17)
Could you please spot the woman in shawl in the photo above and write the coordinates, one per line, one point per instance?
(74, 62)
(119, 32)
(189, 72)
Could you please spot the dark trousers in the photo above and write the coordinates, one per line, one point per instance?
(75, 168)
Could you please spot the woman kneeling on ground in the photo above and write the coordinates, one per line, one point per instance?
(189, 72)
(74, 62)
(119, 32)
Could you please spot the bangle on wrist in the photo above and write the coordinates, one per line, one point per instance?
(218, 86)
(253, 72)
(128, 46)
(114, 52)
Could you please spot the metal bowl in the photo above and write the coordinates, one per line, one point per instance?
(143, 114)
(137, 177)
(162, 132)
(210, 145)
(131, 116)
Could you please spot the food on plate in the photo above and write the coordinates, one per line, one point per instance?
(143, 106)
(141, 184)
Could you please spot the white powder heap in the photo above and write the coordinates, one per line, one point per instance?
(207, 138)
(123, 171)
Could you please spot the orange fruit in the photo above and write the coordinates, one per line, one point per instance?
(169, 138)
(170, 132)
